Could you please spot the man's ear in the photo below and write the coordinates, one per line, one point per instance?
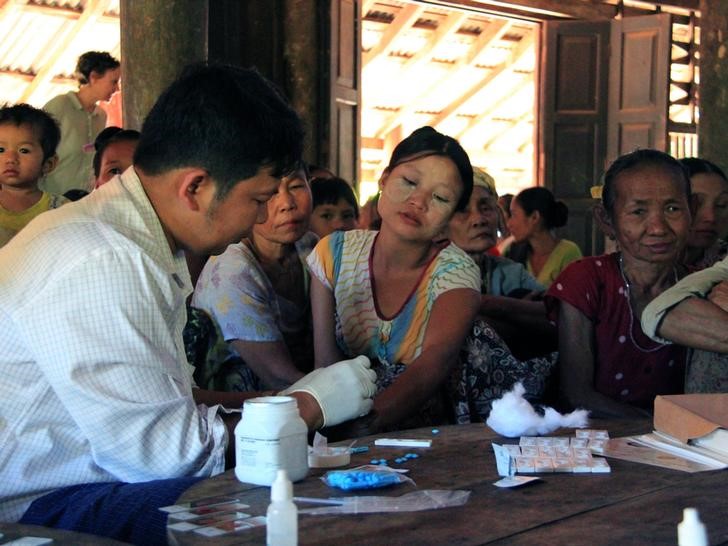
(195, 189)
(604, 221)
(49, 164)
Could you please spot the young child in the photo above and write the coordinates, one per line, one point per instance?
(28, 140)
(334, 206)
(115, 149)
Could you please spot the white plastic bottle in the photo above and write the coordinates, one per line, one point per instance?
(691, 531)
(282, 516)
(270, 436)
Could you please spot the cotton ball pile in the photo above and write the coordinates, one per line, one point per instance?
(513, 416)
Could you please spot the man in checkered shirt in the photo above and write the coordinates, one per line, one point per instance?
(100, 422)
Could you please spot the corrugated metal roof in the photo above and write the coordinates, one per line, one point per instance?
(43, 39)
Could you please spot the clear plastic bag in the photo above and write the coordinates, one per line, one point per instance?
(415, 501)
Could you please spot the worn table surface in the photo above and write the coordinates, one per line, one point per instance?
(634, 504)
(13, 531)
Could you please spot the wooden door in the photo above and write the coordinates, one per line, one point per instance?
(573, 127)
(345, 85)
(639, 84)
(604, 92)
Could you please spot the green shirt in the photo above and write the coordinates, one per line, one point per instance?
(79, 129)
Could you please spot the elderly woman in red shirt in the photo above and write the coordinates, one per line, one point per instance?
(607, 363)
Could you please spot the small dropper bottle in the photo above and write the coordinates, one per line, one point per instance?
(691, 531)
(282, 516)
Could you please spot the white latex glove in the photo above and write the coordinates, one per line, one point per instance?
(343, 390)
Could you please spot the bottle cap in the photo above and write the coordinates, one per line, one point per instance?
(282, 488)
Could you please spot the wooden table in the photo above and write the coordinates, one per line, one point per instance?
(634, 504)
(61, 537)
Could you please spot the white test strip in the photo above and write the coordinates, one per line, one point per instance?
(402, 442)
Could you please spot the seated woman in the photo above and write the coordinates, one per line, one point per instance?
(519, 316)
(489, 367)
(534, 215)
(334, 206)
(505, 239)
(705, 246)
(607, 363)
(396, 296)
(257, 293)
(709, 187)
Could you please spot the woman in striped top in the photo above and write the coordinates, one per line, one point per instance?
(395, 295)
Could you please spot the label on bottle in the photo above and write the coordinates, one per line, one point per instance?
(270, 455)
(259, 452)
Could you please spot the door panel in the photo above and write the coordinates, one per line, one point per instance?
(572, 136)
(639, 84)
(604, 92)
(345, 70)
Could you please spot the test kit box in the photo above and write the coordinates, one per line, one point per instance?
(687, 417)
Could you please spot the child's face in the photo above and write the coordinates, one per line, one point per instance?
(21, 156)
(117, 158)
(328, 218)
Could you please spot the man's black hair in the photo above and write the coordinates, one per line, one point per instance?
(227, 120)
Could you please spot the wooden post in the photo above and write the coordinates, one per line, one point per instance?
(302, 52)
(158, 39)
(712, 134)
(284, 41)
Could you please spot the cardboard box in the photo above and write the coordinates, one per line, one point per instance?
(690, 416)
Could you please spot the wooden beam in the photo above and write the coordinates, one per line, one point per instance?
(488, 37)
(501, 158)
(537, 9)
(411, 66)
(523, 48)
(67, 13)
(687, 5)
(10, 6)
(494, 106)
(447, 28)
(406, 17)
(366, 7)
(93, 9)
(29, 77)
(54, 11)
(524, 119)
(372, 143)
